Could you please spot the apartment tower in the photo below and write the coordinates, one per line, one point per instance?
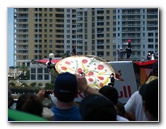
(92, 31)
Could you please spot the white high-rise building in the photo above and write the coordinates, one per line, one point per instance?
(92, 31)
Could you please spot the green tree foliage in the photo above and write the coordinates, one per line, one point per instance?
(12, 84)
(33, 84)
(49, 86)
(21, 90)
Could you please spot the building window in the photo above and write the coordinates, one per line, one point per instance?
(114, 29)
(33, 70)
(150, 46)
(50, 41)
(150, 34)
(45, 51)
(68, 46)
(150, 40)
(24, 57)
(107, 29)
(138, 53)
(107, 53)
(50, 35)
(93, 47)
(50, 15)
(40, 77)
(107, 35)
(45, 35)
(39, 70)
(45, 40)
(45, 70)
(45, 9)
(114, 53)
(33, 77)
(46, 77)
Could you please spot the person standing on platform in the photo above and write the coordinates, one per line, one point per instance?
(128, 49)
(149, 56)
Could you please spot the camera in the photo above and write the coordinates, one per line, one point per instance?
(47, 93)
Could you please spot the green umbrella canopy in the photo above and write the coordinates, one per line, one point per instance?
(15, 115)
(13, 67)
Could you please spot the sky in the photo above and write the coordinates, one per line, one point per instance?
(10, 37)
(7, 44)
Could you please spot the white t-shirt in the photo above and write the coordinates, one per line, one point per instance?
(120, 118)
(134, 105)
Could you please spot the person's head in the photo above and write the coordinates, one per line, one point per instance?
(65, 88)
(97, 108)
(21, 100)
(149, 93)
(112, 74)
(33, 105)
(110, 92)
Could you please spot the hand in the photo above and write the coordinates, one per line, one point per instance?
(40, 94)
(81, 82)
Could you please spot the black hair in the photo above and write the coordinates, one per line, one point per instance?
(150, 97)
(110, 92)
(97, 108)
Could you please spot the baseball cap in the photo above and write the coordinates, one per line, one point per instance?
(97, 108)
(152, 80)
(65, 87)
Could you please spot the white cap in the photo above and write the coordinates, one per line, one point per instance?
(51, 55)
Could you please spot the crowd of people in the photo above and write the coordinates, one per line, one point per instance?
(152, 55)
(128, 52)
(98, 105)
